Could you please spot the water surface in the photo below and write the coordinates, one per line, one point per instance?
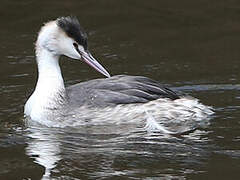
(191, 46)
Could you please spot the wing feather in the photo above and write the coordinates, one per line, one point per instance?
(119, 89)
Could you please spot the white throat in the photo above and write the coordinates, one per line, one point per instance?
(49, 94)
(48, 69)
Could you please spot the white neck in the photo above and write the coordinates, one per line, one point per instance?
(49, 72)
(50, 92)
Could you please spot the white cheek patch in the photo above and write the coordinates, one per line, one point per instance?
(67, 47)
(51, 46)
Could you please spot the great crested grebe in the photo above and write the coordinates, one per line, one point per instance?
(115, 99)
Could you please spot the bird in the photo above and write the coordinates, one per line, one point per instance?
(113, 99)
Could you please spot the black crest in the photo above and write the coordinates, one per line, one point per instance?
(71, 26)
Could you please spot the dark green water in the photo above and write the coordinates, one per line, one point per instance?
(191, 45)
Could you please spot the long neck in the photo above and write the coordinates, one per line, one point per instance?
(49, 72)
(50, 91)
(50, 83)
(49, 96)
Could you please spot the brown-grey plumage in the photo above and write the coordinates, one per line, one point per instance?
(121, 89)
(117, 99)
(116, 90)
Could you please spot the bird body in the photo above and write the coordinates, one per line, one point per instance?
(116, 99)
(120, 89)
